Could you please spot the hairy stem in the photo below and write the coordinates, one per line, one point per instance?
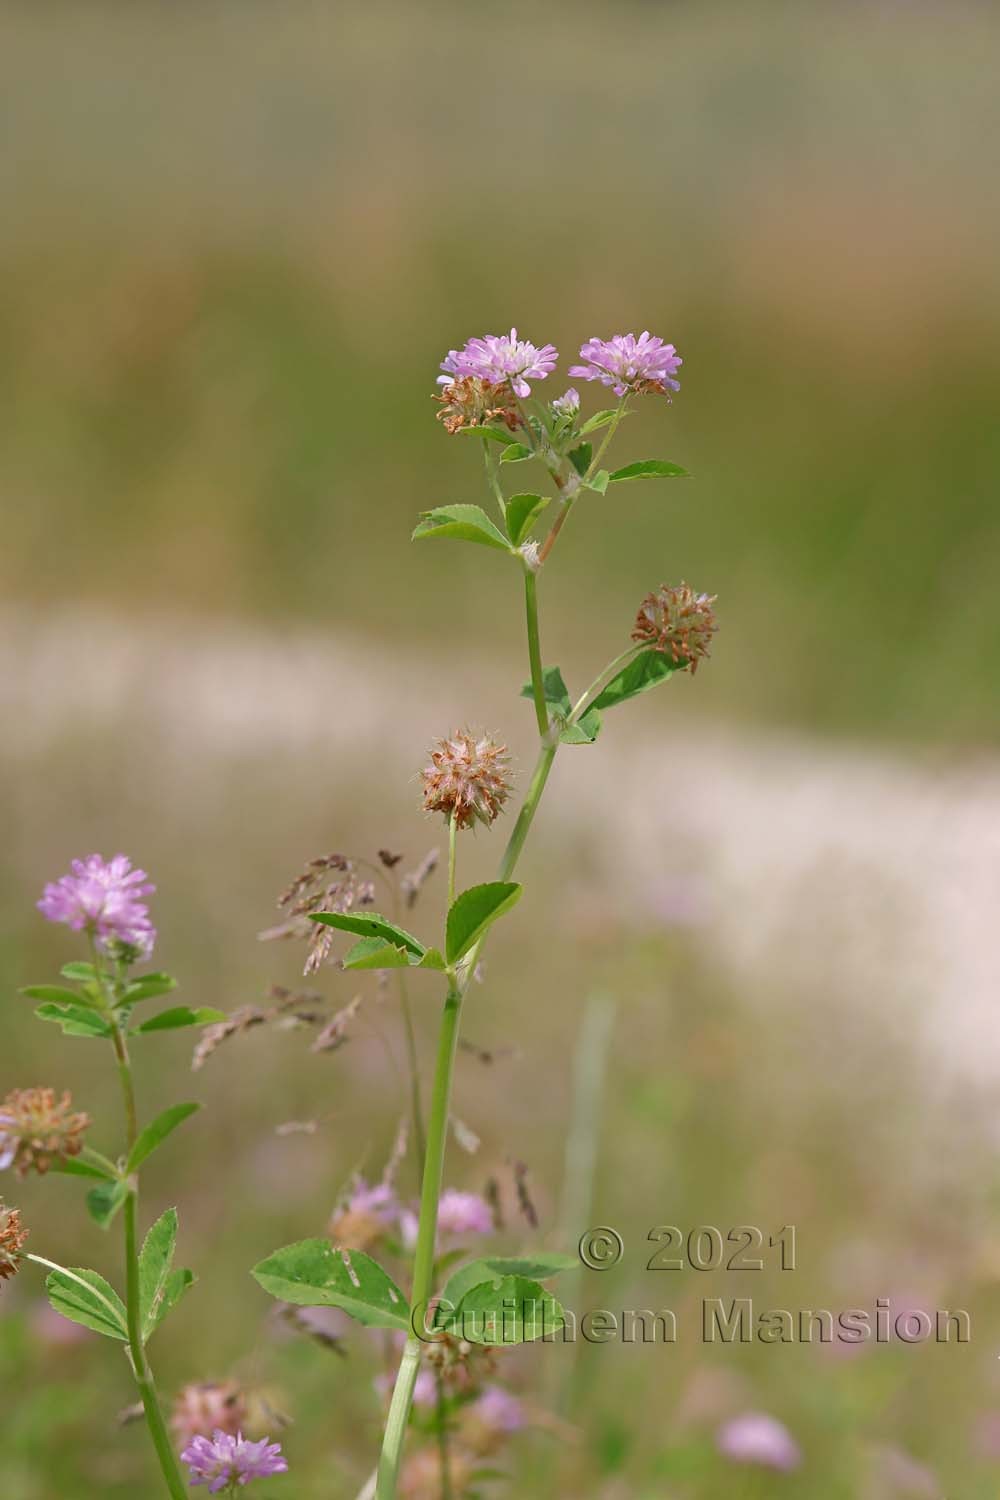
(557, 526)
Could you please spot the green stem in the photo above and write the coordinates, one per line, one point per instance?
(423, 1265)
(133, 1310)
(127, 1086)
(143, 1374)
(452, 832)
(525, 817)
(412, 1059)
(441, 1422)
(493, 478)
(595, 462)
(600, 682)
(535, 651)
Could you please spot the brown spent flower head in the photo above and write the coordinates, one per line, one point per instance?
(471, 402)
(12, 1238)
(37, 1128)
(202, 1409)
(677, 622)
(468, 778)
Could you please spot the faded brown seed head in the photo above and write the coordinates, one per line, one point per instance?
(677, 622)
(470, 402)
(12, 1238)
(468, 778)
(38, 1128)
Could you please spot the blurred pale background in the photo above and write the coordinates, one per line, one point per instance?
(237, 241)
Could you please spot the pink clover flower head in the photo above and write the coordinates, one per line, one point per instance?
(568, 404)
(103, 898)
(463, 1213)
(498, 359)
(379, 1200)
(499, 1410)
(627, 363)
(756, 1438)
(223, 1461)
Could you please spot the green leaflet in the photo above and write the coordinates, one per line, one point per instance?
(649, 468)
(505, 1310)
(522, 511)
(85, 1297)
(474, 911)
(371, 925)
(642, 673)
(467, 523)
(104, 1202)
(314, 1273)
(156, 1132)
(75, 1019)
(160, 1287)
(178, 1016)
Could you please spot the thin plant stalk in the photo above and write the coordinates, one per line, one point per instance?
(535, 651)
(423, 1266)
(133, 1310)
(423, 1269)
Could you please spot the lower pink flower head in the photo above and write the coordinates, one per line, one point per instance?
(756, 1438)
(500, 1410)
(464, 1213)
(627, 363)
(105, 899)
(224, 1461)
(500, 359)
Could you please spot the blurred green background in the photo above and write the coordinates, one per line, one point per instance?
(238, 239)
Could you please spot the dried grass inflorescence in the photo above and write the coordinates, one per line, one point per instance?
(12, 1238)
(468, 779)
(39, 1127)
(289, 1009)
(471, 402)
(331, 882)
(677, 622)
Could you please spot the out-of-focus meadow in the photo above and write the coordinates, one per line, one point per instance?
(238, 239)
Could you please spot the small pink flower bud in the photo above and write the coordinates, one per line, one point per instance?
(678, 623)
(468, 778)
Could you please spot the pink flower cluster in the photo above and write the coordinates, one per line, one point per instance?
(223, 1461)
(103, 898)
(500, 359)
(756, 1438)
(626, 362)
